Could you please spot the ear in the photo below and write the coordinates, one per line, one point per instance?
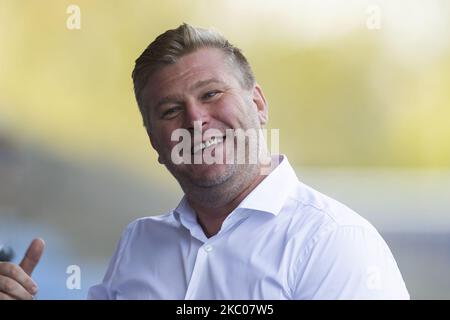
(261, 104)
(152, 142)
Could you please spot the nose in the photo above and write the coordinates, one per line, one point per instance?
(194, 114)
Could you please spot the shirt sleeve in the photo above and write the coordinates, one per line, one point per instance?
(103, 290)
(349, 262)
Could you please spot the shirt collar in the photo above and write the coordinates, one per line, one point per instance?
(188, 218)
(269, 196)
(184, 210)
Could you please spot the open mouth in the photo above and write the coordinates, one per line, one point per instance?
(211, 142)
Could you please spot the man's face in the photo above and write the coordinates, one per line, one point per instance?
(201, 86)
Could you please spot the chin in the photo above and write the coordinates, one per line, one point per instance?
(209, 175)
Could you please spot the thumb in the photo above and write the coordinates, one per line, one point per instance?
(32, 256)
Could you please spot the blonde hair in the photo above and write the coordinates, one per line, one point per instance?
(171, 45)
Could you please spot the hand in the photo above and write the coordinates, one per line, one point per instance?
(15, 280)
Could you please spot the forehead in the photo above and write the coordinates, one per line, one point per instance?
(200, 65)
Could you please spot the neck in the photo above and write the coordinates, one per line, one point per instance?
(211, 218)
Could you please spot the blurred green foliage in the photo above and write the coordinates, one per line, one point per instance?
(345, 99)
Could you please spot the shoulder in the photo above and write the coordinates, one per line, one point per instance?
(313, 215)
(323, 207)
(343, 255)
(149, 234)
(142, 237)
(167, 219)
(152, 227)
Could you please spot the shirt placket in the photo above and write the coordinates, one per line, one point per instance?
(203, 254)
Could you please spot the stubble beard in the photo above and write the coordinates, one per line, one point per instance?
(220, 190)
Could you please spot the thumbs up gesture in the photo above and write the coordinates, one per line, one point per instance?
(15, 280)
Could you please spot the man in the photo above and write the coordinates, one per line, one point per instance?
(243, 230)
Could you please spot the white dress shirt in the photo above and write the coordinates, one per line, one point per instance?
(284, 241)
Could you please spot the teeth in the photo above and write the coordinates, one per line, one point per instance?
(208, 143)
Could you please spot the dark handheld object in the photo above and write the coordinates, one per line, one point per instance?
(6, 253)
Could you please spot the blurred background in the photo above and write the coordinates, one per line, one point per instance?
(359, 91)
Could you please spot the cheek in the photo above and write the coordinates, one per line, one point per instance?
(161, 138)
(233, 112)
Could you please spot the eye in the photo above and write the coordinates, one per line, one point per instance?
(171, 112)
(210, 94)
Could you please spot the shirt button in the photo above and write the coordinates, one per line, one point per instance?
(208, 248)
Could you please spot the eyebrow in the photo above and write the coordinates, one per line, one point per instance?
(178, 98)
(168, 99)
(203, 83)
